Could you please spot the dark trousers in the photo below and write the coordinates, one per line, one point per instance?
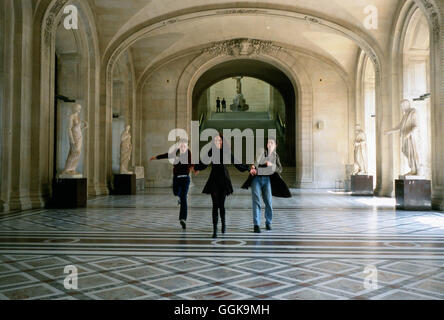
(180, 189)
(218, 207)
(217, 109)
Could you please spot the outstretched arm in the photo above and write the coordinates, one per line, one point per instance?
(159, 157)
(394, 130)
(239, 166)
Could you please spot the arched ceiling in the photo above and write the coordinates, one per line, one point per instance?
(418, 35)
(178, 37)
(117, 20)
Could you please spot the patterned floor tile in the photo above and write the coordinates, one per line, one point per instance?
(95, 281)
(215, 293)
(309, 294)
(39, 291)
(16, 279)
(259, 266)
(409, 268)
(220, 274)
(45, 262)
(6, 268)
(300, 275)
(261, 285)
(321, 244)
(344, 285)
(402, 295)
(127, 292)
(59, 272)
(186, 264)
(429, 286)
(383, 277)
(115, 263)
(332, 267)
(177, 283)
(142, 273)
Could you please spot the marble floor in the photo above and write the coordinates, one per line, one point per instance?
(324, 245)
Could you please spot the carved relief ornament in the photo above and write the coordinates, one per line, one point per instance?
(242, 47)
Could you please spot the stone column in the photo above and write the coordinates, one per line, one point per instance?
(437, 107)
(384, 144)
(16, 166)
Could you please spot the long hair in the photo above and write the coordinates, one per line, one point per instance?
(225, 156)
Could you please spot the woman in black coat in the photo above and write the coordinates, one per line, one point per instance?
(219, 183)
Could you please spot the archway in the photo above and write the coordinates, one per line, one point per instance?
(122, 110)
(416, 85)
(369, 121)
(300, 81)
(84, 85)
(70, 68)
(263, 114)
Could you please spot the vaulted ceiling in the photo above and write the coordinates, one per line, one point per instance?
(117, 20)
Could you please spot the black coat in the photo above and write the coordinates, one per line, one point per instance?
(219, 180)
(278, 186)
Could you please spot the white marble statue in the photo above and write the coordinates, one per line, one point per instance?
(239, 102)
(76, 125)
(125, 151)
(408, 127)
(360, 165)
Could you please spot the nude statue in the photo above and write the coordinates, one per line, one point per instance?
(407, 127)
(125, 151)
(76, 125)
(360, 166)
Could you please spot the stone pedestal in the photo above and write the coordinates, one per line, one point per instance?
(140, 185)
(413, 194)
(362, 185)
(140, 178)
(70, 193)
(125, 184)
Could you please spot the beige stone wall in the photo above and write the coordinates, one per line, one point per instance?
(330, 106)
(158, 118)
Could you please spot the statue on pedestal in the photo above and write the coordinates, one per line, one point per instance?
(407, 127)
(125, 151)
(76, 125)
(360, 165)
(239, 103)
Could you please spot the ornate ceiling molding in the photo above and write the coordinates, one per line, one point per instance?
(434, 16)
(242, 47)
(50, 19)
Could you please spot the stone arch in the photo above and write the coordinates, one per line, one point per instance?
(122, 94)
(362, 107)
(433, 14)
(304, 95)
(47, 18)
(125, 40)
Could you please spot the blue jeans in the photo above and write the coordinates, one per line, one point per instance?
(261, 188)
(180, 189)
